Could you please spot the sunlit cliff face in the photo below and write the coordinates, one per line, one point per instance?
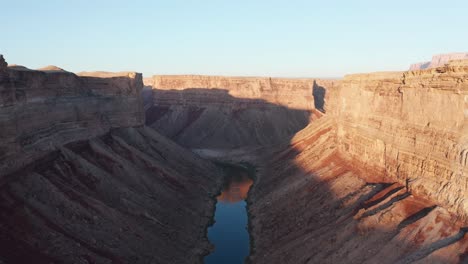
(235, 188)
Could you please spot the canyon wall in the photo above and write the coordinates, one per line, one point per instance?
(311, 204)
(42, 110)
(381, 177)
(410, 127)
(228, 112)
(291, 93)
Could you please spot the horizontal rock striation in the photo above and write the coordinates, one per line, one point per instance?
(42, 110)
(229, 112)
(410, 127)
(291, 93)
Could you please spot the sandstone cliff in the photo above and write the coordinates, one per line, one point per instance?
(42, 110)
(227, 112)
(410, 127)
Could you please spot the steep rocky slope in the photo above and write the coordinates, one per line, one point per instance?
(130, 196)
(82, 180)
(228, 112)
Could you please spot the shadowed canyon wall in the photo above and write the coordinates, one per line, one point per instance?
(227, 112)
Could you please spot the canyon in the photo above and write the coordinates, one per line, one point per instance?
(113, 168)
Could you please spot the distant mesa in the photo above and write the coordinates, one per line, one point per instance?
(104, 74)
(51, 68)
(18, 67)
(439, 61)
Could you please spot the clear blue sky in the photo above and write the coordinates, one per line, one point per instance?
(232, 37)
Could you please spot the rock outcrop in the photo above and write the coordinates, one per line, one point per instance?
(227, 112)
(42, 110)
(439, 61)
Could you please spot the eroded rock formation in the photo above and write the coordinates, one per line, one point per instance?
(227, 112)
